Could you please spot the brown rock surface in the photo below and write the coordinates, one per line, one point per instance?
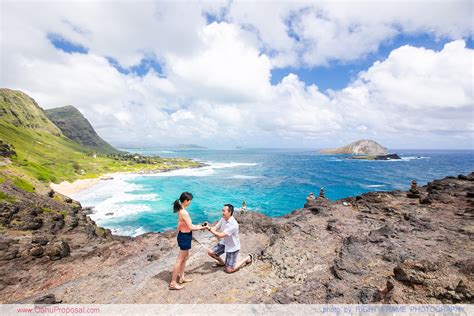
(377, 247)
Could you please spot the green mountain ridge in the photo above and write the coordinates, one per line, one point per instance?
(43, 153)
(76, 127)
(18, 109)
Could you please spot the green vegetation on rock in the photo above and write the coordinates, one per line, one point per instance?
(19, 110)
(24, 185)
(7, 198)
(47, 210)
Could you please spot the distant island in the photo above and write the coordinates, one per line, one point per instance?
(363, 149)
(190, 146)
(368, 249)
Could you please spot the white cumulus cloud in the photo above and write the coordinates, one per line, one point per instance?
(213, 86)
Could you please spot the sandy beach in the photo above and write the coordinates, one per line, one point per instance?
(70, 188)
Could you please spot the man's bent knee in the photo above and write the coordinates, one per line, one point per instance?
(210, 252)
(229, 270)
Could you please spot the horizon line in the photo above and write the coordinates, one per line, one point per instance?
(243, 148)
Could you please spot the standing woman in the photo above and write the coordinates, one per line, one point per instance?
(185, 235)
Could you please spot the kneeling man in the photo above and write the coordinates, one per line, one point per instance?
(227, 230)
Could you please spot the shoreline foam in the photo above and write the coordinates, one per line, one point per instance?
(71, 188)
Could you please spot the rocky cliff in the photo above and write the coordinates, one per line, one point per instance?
(392, 247)
(360, 147)
(75, 126)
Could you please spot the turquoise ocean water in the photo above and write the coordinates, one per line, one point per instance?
(271, 181)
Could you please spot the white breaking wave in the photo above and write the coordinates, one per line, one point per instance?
(109, 198)
(390, 160)
(200, 172)
(114, 198)
(112, 208)
(107, 188)
(414, 158)
(126, 231)
(409, 158)
(242, 176)
(220, 165)
(374, 185)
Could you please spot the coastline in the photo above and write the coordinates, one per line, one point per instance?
(67, 188)
(392, 232)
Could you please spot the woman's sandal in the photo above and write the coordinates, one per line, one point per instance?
(217, 265)
(175, 287)
(184, 280)
(253, 257)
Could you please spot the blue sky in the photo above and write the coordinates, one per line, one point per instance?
(66, 46)
(336, 75)
(226, 74)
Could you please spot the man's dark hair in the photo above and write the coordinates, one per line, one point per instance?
(230, 207)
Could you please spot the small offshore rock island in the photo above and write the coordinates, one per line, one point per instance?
(372, 248)
(363, 149)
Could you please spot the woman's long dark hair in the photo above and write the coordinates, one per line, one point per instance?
(185, 196)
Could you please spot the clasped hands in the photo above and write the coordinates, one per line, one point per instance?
(205, 225)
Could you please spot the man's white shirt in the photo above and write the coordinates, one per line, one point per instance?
(231, 228)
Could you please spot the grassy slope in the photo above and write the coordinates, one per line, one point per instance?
(18, 109)
(45, 154)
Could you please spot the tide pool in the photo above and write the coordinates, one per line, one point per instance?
(271, 181)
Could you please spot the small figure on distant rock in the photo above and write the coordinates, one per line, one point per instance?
(243, 209)
(310, 197)
(321, 193)
(414, 187)
(413, 193)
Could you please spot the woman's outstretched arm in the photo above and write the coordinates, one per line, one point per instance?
(187, 220)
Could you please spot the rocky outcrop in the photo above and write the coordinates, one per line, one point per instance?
(58, 250)
(360, 147)
(47, 299)
(379, 157)
(379, 247)
(387, 157)
(6, 150)
(37, 229)
(382, 247)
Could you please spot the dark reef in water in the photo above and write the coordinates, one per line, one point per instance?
(379, 157)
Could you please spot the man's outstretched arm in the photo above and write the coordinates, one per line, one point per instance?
(216, 233)
(227, 232)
